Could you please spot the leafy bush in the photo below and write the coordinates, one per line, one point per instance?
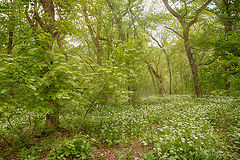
(32, 153)
(75, 148)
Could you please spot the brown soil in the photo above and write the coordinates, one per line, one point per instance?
(107, 153)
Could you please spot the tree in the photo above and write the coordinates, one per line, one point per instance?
(228, 14)
(186, 23)
(217, 42)
(124, 15)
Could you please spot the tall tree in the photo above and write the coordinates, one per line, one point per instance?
(186, 23)
(46, 19)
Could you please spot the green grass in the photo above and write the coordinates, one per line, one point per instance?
(170, 127)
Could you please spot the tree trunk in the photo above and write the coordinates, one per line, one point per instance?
(228, 29)
(10, 42)
(193, 66)
(161, 88)
(170, 76)
(52, 121)
(181, 79)
(158, 76)
(95, 38)
(153, 81)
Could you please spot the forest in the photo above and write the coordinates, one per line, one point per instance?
(120, 79)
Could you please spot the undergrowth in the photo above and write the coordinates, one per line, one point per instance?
(170, 127)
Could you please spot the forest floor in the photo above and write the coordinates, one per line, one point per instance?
(169, 127)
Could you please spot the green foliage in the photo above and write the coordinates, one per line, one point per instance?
(170, 127)
(126, 156)
(54, 68)
(226, 119)
(174, 126)
(32, 153)
(77, 147)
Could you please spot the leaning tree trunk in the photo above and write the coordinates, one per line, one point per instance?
(158, 76)
(193, 66)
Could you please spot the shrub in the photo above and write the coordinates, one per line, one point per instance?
(78, 147)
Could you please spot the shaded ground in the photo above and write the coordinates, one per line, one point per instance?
(133, 151)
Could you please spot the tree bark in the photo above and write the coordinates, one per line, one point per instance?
(10, 42)
(117, 20)
(153, 81)
(194, 69)
(47, 23)
(168, 63)
(123, 37)
(228, 28)
(52, 121)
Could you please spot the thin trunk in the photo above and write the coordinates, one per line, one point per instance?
(158, 76)
(228, 25)
(153, 81)
(181, 79)
(95, 38)
(61, 47)
(52, 121)
(117, 20)
(10, 42)
(228, 29)
(170, 76)
(227, 83)
(161, 88)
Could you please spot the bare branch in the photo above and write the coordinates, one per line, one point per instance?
(174, 31)
(158, 43)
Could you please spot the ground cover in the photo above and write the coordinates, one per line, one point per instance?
(169, 127)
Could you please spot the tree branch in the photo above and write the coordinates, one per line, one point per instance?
(198, 12)
(208, 63)
(174, 31)
(28, 17)
(158, 43)
(61, 46)
(89, 27)
(174, 13)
